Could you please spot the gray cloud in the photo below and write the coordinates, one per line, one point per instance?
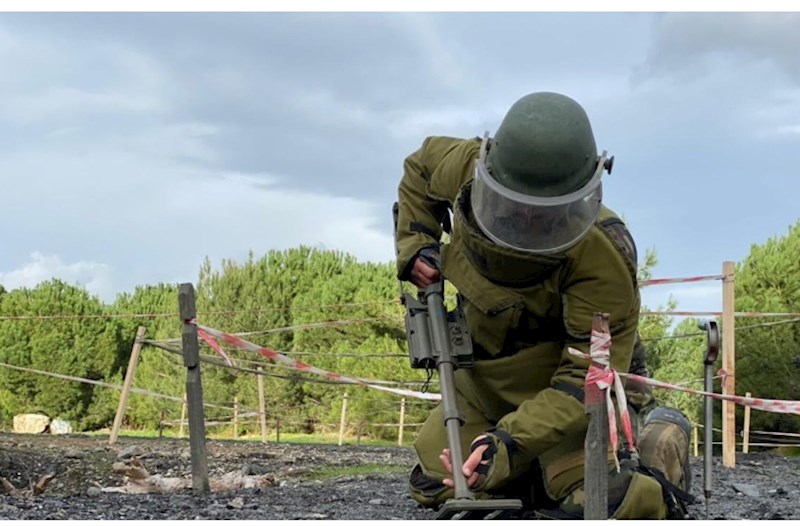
(689, 42)
(276, 129)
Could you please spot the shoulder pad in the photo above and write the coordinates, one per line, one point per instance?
(618, 233)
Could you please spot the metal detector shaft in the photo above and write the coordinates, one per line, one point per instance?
(440, 339)
(712, 350)
(453, 419)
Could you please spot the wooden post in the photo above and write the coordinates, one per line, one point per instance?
(746, 428)
(359, 432)
(278, 430)
(235, 417)
(596, 443)
(342, 419)
(262, 412)
(729, 365)
(194, 390)
(694, 440)
(183, 416)
(402, 421)
(126, 386)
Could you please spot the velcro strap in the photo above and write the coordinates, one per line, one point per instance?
(489, 452)
(572, 390)
(419, 227)
(483, 469)
(505, 438)
(668, 486)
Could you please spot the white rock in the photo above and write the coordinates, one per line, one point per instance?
(60, 427)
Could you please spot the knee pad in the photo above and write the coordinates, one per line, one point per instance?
(428, 491)
(664, 445)
(670, 414)
(631, 495)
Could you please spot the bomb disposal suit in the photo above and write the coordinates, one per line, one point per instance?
(533, 254)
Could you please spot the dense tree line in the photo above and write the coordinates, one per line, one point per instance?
(295, 301)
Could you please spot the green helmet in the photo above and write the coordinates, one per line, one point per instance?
(544, 146)
(537, 184)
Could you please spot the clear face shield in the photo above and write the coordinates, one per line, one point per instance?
(538, 225)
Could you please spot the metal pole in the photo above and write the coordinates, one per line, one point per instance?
(710, 357)
(452, 417)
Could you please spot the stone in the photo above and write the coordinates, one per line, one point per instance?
(73, 453)
(32, 424)
(747, 489)
(130, 451)
(60, 427)
(93, 491)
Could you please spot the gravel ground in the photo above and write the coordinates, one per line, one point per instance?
(77, 476)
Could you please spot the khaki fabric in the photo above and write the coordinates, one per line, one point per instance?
(665, 446)
(631, 495)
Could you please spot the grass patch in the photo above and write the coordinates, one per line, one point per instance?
(329, 472)
(787, 451)
(286, 438)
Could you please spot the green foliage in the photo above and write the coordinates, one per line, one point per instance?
(85, 348)
(768, 280)
(670, 359)
(333, 312)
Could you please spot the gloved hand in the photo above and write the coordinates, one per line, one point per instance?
(488, 465)
(425, 268)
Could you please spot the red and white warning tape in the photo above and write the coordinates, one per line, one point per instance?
(605, 377)
(763, 404)
(599, 353)
(719, 313)
(663, 281)
(207, 332)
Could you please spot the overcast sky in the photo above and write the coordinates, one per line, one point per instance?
(134, 145)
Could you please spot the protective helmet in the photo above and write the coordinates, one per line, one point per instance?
(537, 182)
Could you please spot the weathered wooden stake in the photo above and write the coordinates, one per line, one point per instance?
(235, 417)
(194, 390)
(359, 432)
(694, 440)
(342, 419)
(402, 421)
(729, 365)
(596, 444)
(183, 416)
(126, 385)
(746, 430)
(262, 411)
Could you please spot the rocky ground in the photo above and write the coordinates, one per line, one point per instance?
(83, 477)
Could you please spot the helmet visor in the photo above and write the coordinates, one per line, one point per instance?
(540, 225)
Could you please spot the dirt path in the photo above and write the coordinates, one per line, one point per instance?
(275, 481)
